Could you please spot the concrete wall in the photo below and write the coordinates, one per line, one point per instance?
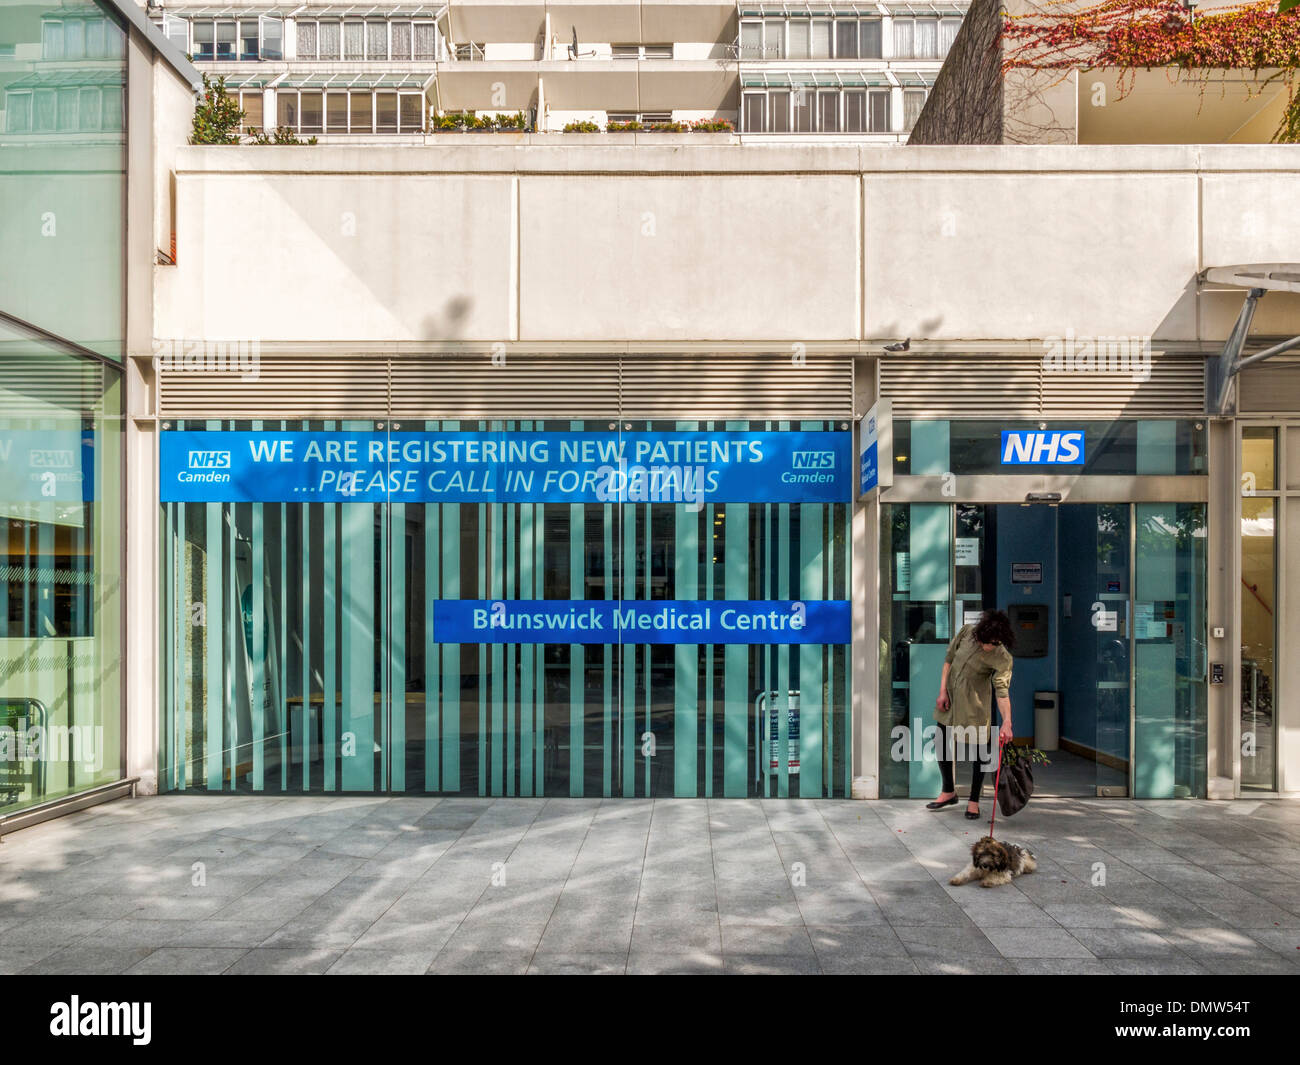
(679, 241)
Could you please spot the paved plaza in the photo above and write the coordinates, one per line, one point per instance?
(252, 884)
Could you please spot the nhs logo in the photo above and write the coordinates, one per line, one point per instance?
(1028, 447)
(209, 460)
(814, 460)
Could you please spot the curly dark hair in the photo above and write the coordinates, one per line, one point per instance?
(995, 627)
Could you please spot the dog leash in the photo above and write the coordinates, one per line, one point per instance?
(996, 779)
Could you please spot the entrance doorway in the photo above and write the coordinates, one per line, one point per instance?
(1107, 601)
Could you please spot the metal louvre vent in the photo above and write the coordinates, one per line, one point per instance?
(414, 387)
(1272, 385)
(278, 387)
(737, 386)
(1019, 385)
(474, 387)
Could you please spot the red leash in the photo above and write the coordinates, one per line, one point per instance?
(996, 779)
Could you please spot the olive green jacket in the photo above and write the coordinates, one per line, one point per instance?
(974, 676)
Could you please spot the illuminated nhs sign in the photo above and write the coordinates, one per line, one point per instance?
(1030, 447)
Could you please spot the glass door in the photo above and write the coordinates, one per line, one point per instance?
(1169, 664)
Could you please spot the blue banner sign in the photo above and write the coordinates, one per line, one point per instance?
(1026, 447)
(692, 468)
(39, 465)
(664, 621)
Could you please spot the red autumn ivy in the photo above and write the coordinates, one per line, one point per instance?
(1132, 34)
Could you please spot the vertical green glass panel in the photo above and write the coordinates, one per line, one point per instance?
(329, 646)
(527, 590)
(811, 560)
(929, 558)
(930, 454)
(395, 739)
(511, 544)
(686, 657)
(308, 709)
(451, 652)
(925, 670)
(577, 658)
(432, 653)
(735, 684)
(358, 649)
(497, 653)
(608, 688)
(785, 653)
(214, 663)
(1155, 724)
(1157, 447)
(627, 707)
(254, 607)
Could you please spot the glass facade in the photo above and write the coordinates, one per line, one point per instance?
(312, 646)
(1259, 604)
(63, 170)
(61, 571)
(1108, 603)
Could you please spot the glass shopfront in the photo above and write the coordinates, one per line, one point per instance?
(1107, 601)
(60, 571)
(507, 608)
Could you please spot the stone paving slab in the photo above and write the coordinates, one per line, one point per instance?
(260, 884)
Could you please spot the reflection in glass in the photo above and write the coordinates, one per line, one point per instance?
(60, 572)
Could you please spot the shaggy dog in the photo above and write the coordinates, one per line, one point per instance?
(993, 863)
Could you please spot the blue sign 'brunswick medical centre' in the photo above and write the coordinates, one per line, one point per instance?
(692, 468)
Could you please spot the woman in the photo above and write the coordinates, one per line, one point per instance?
(977, 665)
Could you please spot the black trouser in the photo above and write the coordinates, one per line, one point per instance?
(945, 742)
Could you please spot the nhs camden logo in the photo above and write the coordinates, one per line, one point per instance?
(1038, 447)
(209, 460)
(813, 460)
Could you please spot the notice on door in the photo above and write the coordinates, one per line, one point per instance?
(1026, 573)
(968, 551)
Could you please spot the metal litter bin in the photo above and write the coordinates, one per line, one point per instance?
(1047, 720)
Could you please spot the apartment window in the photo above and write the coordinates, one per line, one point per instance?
(354, 40)
(828, 111)
(226, 39)
(753, 117)
(778, 112)
(250, 102)
(869, 39)
(751, 40)
(386, 112)
(913, 104)
(642, 51)
(855, 112)
(948, 28)
(249, 40)
(68, 38)
(329, 36)
(799, 37)
(336, 112)
(916, 38)
(846, 39)
(51, 40)
(308, 40)
(376, 40)
(311, 105)
(204, 38)
(426, 40)
(18, 112)
(401, 39)
(411, 112)
(286, 108)
(803, 111)
(361, 116)
(880, 104)
(821, 39)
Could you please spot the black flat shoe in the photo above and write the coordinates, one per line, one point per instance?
(972, 816)
(941, 805)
